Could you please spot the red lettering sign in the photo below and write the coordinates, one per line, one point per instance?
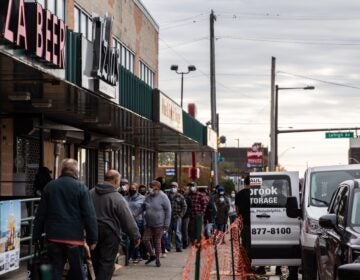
(21, 31)
(47, 31)
(62, 35)
(39, 35)
(8, 34)
(55, 23)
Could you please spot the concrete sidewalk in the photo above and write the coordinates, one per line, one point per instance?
(171, 268)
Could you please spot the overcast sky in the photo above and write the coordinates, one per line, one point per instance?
(315, 43)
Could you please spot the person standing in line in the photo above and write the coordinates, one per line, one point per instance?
(64, 213)
(114, 217)
(222, 206)
(185, 219)
(136, 204)
(178, 209)
(232, 210)
(142, 190)
(157, 218)
(198, 206)
(242, 203)
(124, 187)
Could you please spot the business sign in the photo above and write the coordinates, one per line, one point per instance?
(211, 138)
(106, 59)
(255, 156)
(167, 111)
(36, 30)
(170, 171)
(100, 63)
(10, 216)
(348, 134)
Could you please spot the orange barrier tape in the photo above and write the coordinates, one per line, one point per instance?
(220, 241)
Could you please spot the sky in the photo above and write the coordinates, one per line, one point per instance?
(315, 43)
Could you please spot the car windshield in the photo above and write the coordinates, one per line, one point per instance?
(323, 185)
(355, 211)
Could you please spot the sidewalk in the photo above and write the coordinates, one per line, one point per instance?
(171, 269)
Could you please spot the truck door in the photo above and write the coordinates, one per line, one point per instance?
(274, 236)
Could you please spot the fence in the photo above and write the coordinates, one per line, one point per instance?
(221, 256)
(27, 225)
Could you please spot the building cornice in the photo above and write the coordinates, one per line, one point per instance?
(147, 14)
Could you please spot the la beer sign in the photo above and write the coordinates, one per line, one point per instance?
(34, 29)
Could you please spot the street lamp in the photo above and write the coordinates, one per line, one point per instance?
(274, 152)
(190, 69)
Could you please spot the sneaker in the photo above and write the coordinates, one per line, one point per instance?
(179, 250)
(136, 261)
(163, 255)
(158, 264)
(151, 259)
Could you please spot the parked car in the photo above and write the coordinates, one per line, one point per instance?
(339, 240)
(274, 236)
(318, 187)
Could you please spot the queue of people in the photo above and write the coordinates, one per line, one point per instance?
(71, 215)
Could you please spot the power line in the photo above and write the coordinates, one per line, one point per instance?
(319, 80)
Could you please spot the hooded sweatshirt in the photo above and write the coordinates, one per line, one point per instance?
(113, 210)
(157, 210)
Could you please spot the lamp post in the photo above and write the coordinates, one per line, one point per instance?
(175, 68)
(275, 131)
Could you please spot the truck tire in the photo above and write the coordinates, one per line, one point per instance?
(309, 269)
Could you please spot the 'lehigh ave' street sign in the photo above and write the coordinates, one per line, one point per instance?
(348, 134)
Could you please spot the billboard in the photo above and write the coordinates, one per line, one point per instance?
(10, 216)
(255, 156)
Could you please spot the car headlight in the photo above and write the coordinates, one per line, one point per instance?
(312, 226)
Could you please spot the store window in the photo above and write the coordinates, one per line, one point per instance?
(83, 23)
(146, 74)
(127, 57)
(57, 7)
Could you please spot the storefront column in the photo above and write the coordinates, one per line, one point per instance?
(137, 165)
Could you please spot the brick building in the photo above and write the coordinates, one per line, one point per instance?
(79, 79)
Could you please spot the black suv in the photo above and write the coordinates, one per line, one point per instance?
(339, 240)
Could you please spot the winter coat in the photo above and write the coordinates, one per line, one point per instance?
(136, 204)
(157, 210)
(222, 213)
(113, 210)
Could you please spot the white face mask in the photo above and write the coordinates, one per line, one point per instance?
(193, 189)
(222, 199)
(232, 195)
(221, 193)
(173, 190)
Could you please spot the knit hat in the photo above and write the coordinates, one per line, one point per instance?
(174, 184)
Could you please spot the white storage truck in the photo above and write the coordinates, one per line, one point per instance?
(274, 236)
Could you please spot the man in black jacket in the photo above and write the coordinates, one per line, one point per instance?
(65, 211)
(114, 217)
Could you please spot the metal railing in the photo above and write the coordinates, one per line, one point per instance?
(27, 225)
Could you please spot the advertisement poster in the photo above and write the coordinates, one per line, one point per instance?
(10, 215)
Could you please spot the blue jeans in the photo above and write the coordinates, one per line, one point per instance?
(135, 252)
(174, 226)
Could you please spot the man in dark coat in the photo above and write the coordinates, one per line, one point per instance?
(65, 211)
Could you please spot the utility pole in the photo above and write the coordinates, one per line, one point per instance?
(272, 117)
(214, 122)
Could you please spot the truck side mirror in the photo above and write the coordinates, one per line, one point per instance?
(349, 271)
(292, 209)
(328, 221)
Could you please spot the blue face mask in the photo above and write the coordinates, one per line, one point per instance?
(151, 191)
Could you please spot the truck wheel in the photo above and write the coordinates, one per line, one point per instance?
(309, 269)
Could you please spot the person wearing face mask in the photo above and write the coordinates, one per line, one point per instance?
(232, 211)
(178, 210)
(186, 218)
(157, 218)
(136, 203)
(124, 187)
(222, 206)
(198, 206)
(142, 190)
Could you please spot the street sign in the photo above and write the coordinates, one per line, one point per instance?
(348, 134)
